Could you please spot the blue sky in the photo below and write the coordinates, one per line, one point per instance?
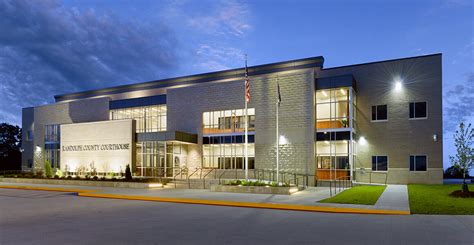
(53, 47)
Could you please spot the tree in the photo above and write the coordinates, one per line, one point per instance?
(48, 170)
(10, 143)
(464, 158)
(128, 173)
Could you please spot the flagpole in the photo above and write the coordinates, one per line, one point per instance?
(246, 125)
(277, 138)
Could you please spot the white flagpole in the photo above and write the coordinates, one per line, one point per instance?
(246, 125)
(277, 134)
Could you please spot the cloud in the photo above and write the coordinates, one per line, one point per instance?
(459, 103)
(229, 18)
(47, 49)
(213, 57)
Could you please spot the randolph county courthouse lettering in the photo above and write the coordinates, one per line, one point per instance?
(377, 122)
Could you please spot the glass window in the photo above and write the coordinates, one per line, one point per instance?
(379, 112)
(379, 163)
(29, 135)
(148, 118)
(418, 110)
(228, 121)
(333, 108)
(418, 163)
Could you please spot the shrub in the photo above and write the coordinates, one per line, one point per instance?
(95, 178)
(69, 177)
(128, 173)
(59, 173)
(48, 170)
(103, 178)
(56, 176)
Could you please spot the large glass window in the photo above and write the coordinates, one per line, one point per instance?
(418, 163)
(229, 121)
(52, 144)
(228, 156)
(418, 110)
(149, 118)
(333, 108)
(160, 158)
(379, 163)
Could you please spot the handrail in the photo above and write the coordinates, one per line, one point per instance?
(204, 178)
(223, 172)
(189, 176)
(174, 177)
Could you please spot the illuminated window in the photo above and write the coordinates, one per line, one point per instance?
(333, 108)
(52, 138)
(229, 121)
(148, 118)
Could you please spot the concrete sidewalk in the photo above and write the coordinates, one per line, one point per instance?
(306, 198)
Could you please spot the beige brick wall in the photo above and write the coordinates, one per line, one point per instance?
(399, 137)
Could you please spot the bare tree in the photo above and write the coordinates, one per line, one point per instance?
(464, 158)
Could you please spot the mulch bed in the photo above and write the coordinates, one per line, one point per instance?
(462, 194)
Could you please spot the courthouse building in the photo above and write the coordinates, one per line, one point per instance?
(377, 122)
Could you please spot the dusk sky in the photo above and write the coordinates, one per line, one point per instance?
(54, 47)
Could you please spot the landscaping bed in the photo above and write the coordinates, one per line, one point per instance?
(365, 195)
(438, 199)
(255, 187)
(121, 183)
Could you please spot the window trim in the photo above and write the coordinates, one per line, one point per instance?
(378, 120)
(388, 163)
(417, 118)
(414, 167)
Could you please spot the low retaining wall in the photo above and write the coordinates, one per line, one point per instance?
(255, 189)
(97, 183)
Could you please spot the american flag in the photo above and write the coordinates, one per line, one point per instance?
(247, 85)
(279, 95)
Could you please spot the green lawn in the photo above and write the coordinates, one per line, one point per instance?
(366, 195)
(435, 199)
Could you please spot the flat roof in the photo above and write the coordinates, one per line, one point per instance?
(317, 61)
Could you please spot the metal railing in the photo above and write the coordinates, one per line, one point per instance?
(339, 184)
(180, 172)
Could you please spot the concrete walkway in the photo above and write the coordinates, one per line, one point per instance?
(394, 197)
(308, 197)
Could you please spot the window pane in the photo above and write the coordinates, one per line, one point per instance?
(382, 163)
(382, 112)
(420, 163)
(412, 163)
(374, 113)
(374, 163)
(412, 110)
(420, 109)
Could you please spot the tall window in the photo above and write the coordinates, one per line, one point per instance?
(379, 163)
(149, 118)
(418, 110)
(229, 121)
(51, 144)
(332, 108)
(227, 152)
(379, 113)
(418, 163)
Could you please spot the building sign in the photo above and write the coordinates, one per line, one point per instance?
(106, 146)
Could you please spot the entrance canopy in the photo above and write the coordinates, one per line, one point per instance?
(167, 136)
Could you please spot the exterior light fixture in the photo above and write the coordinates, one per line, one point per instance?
(362, 140)
(435, 137)
(38, 148)
(398, 85)
(283, 140)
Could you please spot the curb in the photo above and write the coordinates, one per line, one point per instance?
(289, 207)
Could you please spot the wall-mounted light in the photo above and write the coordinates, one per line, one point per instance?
(38, 148)
(398, 84)
(362, 140)
(283, 140)
(435, 137)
